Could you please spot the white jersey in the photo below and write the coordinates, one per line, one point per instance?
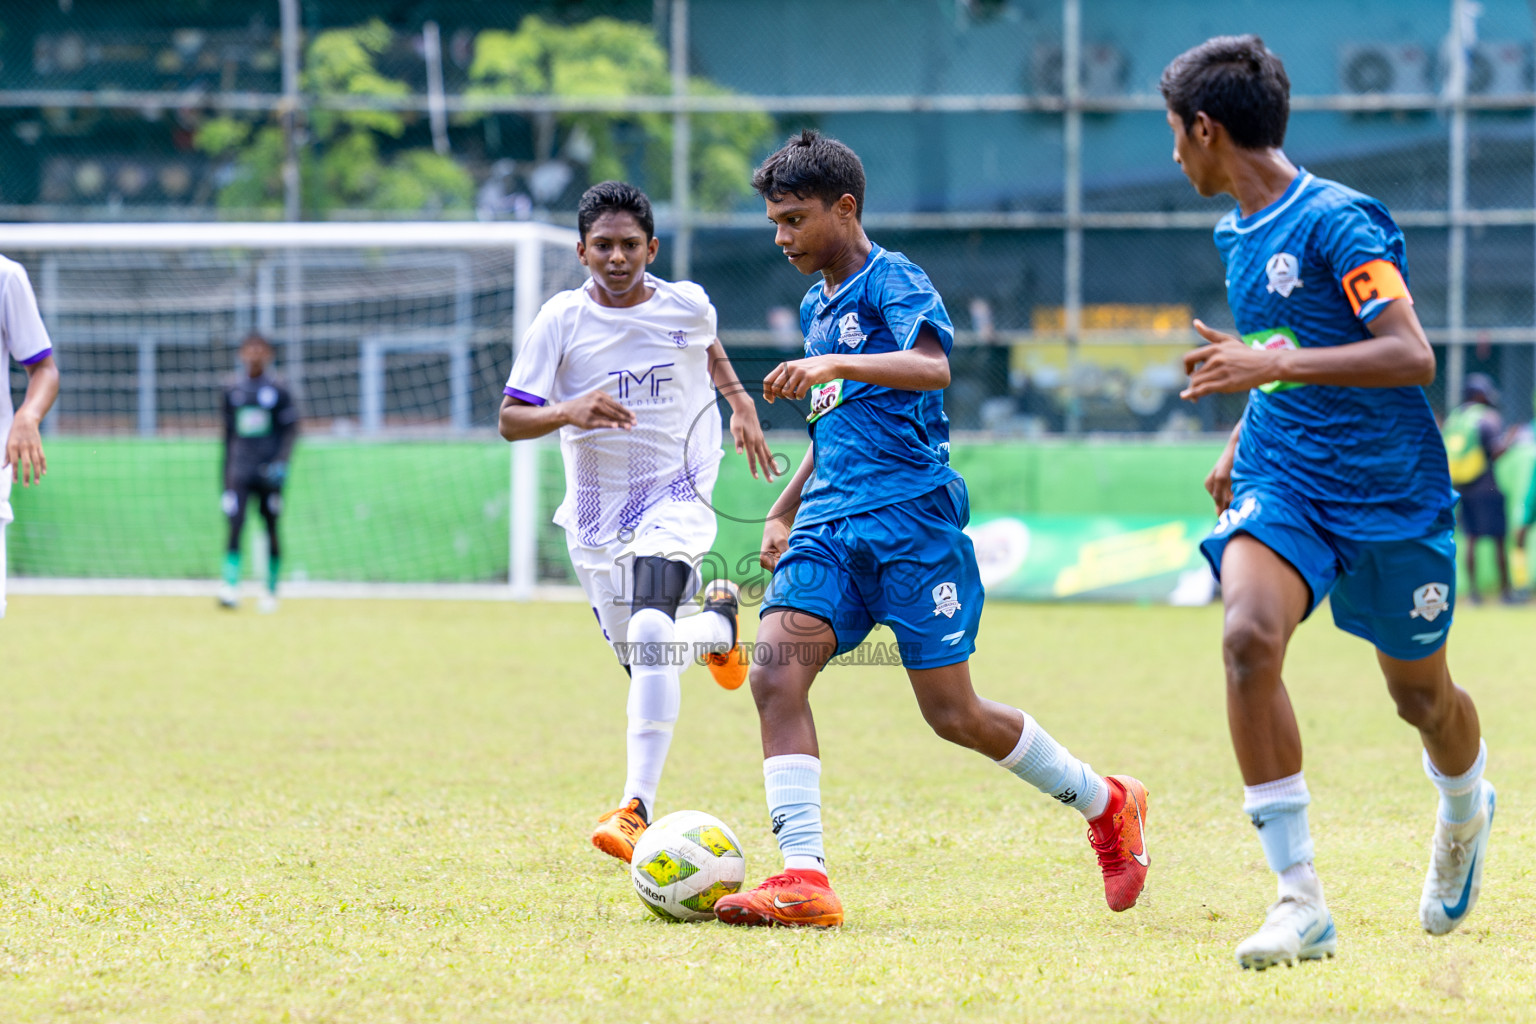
(22, 338)
(651, 358)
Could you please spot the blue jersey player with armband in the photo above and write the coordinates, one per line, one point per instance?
(1334, 483)
(878, 518)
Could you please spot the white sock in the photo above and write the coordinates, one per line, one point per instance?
(706, 633)
(1458, 793)
(793, 787)
(1278, 809)
(1049, 767)
(1301, 880)
(654, 697)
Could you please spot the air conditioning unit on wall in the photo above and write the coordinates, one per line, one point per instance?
(1499, 69)
(1385, 69)
(1105, 68)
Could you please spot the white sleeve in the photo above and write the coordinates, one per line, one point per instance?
(21, 326)
(696, 296)
(538, 357)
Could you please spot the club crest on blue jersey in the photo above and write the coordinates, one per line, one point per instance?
(1284, 272)
(848, 331)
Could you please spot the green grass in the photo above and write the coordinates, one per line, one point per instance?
(378, 812)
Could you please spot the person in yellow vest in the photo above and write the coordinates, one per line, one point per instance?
(1474, 440)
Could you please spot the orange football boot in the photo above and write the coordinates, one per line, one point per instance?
(793, 899)
(1119, 837)
(619, 830)
(729, 668)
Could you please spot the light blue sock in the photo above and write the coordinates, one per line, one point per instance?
(793, 782)
(1049, 767)
(1458, 793)
(1279, 811)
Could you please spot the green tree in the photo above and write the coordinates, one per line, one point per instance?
(608, 58)
(345, 169)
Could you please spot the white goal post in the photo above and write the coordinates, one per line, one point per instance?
(531, 284)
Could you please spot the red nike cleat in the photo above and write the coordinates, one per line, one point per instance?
(1119, 838)
(793, 899)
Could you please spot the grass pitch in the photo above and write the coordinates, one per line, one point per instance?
(378, 812)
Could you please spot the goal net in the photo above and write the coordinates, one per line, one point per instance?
(396, 340)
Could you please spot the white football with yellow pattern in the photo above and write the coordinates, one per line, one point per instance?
(683, 863)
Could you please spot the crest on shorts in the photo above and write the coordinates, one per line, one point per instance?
(946, 600)
(1429, 601)
(1284, 272)
(680, 339)
(848, 331)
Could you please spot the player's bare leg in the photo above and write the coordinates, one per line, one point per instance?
(1447, 721)
(798, 645)
(1265, 600)
(951, 707)
(1115, 805)
(1443, 712)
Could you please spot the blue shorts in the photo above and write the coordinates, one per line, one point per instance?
(1398, 594)
(908, 565)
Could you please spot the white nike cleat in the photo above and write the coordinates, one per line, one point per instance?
(1456, 867)
(266, 604)
(1297, 927)
(229, 597)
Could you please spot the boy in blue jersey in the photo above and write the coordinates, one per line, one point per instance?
(878, 518)
(1334, 483)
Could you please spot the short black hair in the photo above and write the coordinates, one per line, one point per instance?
(1238, 82)
(812, 166)
(614, 197)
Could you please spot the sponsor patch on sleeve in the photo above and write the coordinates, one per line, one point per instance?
(1372, 284)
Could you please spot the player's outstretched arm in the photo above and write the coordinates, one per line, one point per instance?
(746, 430)
(595, 410)
(1397, 355)
(24, 447)
(923, 367)
(781, 517)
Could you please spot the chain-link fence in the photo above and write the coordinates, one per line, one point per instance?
(1016, 149)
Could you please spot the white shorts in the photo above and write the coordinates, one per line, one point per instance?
(681, 531)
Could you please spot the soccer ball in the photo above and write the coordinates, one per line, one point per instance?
(685, 862)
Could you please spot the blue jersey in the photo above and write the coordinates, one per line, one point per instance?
(1313, 269)
(875, 446)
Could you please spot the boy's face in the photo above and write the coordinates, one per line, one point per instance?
(811, 232)
(1192, 152)
(255, 355)
(617, 252)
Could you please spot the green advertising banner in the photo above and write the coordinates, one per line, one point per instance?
(1093, 558)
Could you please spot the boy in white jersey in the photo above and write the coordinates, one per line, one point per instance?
(627, 367)
(24, 339)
